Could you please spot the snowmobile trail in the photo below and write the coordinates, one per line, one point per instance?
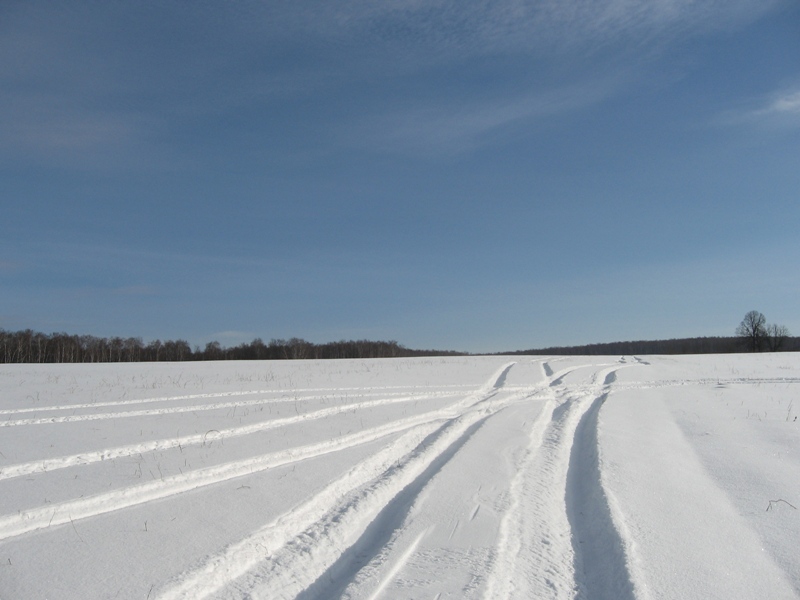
(600, 554)
(548, 536)
(89, 457)
(154, 412)
(270, 395)
(335, 579)
(324, 535)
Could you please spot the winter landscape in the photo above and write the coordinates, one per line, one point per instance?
(458, 477)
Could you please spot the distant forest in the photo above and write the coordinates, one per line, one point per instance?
(699, 345)
(32, 347)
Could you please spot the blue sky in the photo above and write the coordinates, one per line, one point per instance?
(480, 176)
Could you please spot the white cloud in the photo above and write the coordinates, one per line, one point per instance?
(787, 103)
(779, 110)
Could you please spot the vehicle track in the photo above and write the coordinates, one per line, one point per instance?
(316, 549)
(600, 552)
(537, 512)
(89, 457)
(420, 425)
(204, 407)
(558, 521)
(285, 395)
(318, 556)
(287, 556)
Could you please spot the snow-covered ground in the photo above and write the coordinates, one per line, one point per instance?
(471, 477)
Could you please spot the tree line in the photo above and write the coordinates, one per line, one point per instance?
(29, 346)
(752, 335)
(698, 345)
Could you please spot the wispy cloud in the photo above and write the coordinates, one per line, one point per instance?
(47, 124)
(778, 110)
(786, 103)
(440, 27)
(451, 130)
(105, 85)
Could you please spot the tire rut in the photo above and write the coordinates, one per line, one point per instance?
(555, 535)
(600, 557)
(287, 556)
(378, 534)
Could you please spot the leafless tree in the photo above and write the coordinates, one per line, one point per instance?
(752, 331)
(776, 336)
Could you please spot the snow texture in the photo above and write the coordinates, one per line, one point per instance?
(594, 478)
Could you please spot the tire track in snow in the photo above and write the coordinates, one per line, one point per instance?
(335, 393)
(501, 580)
(398, 566)
(154, 412)
(601, 569)
(382, 528)
(556, 378)
(286, 556)
(17, 411)
(284, 568)
(86, 458)
(57, 514)
(535, 556)
(420, 425)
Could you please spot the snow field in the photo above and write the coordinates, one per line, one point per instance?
(469, 477)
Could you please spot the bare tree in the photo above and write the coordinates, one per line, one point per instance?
(752, 331)
(776, 337)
